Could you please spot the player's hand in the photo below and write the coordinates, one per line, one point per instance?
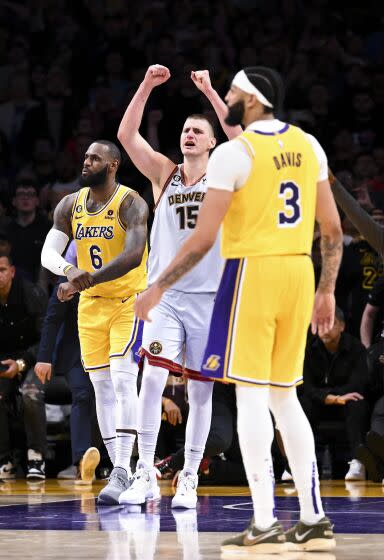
(66, 291)
(146, 301)
(43, 371)
(202, 80)
(156, 75)
(80, 279)
(343, 399)
(172, 411)
(12, 371)
(323, 316)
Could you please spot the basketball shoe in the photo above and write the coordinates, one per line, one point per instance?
(316, 537)
(118, 482)
(254, 541)
(186, 492)
(144, 486)
(7, 470)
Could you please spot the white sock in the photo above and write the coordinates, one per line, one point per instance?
(255, 428)
(105, 408)
(299, 446)
(124, 378)
(149, 411)
(198, 423)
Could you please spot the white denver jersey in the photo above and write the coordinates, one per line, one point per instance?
(175, 217)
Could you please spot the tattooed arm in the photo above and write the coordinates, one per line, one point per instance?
(213, 210)
(331, 251)
(134, 215)
(372, 232)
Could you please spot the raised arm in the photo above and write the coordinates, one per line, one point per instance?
(331, 245)
(154, 165)
(363, 222)
(134, 215)
(202, 81)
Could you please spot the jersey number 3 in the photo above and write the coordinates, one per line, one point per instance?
(95, 254)
(291, 216)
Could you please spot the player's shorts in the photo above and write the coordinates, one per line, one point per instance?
(177, 336)
(108, 329)
(260, 320)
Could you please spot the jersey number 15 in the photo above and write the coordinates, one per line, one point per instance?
(187, 216)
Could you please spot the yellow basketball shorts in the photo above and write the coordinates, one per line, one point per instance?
(260, 320)
(108, 329)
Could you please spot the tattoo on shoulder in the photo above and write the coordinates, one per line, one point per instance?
(133, 210)
(63, 212)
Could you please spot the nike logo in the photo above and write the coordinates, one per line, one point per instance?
(78, 217)
(302, 536)
(250, 539)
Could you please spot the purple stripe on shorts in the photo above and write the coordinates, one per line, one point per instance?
(214, 356)
(138, 342)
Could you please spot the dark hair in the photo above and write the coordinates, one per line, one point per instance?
(339, 314)
(112, 148)
(6, 254)
(26, 181)
(269, 82)
(204, 118)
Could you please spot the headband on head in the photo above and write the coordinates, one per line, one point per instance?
(242, 82)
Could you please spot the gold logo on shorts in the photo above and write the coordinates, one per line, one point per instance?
(155, 348)
(213, 362)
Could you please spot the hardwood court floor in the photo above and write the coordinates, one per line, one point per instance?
(56, 520)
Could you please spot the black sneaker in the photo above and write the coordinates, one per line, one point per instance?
(36, 470)
(374, 468)
(270, 541)
(166, 467)
(316, 537)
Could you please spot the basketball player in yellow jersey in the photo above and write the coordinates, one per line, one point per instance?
(266, 187)
(108, 222)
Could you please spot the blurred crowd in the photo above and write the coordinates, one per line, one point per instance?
(68, 69)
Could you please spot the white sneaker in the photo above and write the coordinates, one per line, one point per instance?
(186, 493)
(286, 477)
(7, 471)
(356, 471)
(143, 488)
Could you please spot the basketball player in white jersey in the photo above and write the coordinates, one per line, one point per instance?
(175, 339)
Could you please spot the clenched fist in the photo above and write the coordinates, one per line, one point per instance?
(156, 75)
(202, 80)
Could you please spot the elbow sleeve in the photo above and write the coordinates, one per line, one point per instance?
(54, 245)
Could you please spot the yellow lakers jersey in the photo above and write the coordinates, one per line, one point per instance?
(273, 213)
(100, 237)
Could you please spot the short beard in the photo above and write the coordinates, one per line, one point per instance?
(235, 114)
(94, 180)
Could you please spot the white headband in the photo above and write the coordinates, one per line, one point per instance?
(242, 82)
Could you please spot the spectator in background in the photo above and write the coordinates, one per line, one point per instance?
(360, 268)
(27, 230)
(22, 307)
(59, 350)
(335, 377)
(13, 111)
(371, 321)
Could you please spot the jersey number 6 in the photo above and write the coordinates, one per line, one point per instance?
(94, 253)
(291, 216)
